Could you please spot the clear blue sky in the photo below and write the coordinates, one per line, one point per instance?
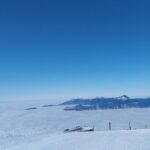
(64, 49)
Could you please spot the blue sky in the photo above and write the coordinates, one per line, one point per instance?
(65, 49)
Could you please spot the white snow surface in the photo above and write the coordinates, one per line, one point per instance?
(42, 128)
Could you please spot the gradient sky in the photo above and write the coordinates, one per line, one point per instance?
(65, 49)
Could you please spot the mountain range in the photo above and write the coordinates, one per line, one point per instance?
(106, 103)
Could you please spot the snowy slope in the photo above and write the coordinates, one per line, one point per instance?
(42, 129)
(118, 140)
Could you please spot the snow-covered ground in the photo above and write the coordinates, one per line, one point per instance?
(118, 140)
(42, 128)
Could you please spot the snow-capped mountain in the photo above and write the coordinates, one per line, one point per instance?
(123, 97)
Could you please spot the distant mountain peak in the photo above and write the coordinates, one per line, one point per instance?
(123, 97)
